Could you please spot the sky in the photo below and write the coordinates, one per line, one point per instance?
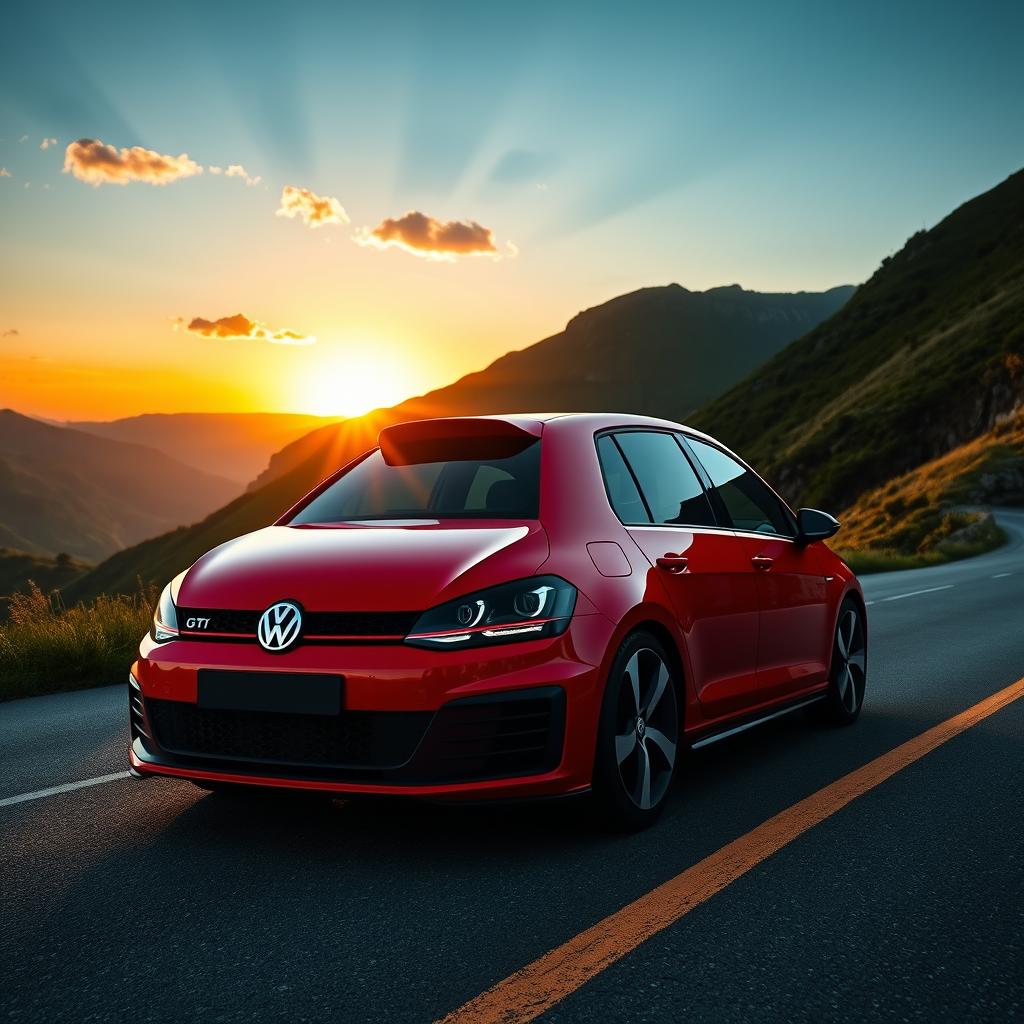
(326, 208)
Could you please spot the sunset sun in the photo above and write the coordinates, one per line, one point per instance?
(352, 384)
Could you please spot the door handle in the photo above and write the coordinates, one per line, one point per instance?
(762, 563)
(672, 563)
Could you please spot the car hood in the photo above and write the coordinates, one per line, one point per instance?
(362, 567)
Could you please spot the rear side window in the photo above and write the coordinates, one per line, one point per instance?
(750, 504)
(670, 487)
(622, 493)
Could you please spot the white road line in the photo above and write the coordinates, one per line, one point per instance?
(66, 788)
(914, 593)
(1000, 575)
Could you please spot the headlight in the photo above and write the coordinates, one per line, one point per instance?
(525, 610)
(165, 618)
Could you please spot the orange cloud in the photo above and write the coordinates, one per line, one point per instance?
(241, 327)
(4, 173)
(47, 143)
(96, 163)
(421, 235)
(315, 210)
(11, 332)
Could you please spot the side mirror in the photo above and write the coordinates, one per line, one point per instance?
(815, 525)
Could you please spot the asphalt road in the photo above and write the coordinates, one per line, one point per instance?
(150, 901)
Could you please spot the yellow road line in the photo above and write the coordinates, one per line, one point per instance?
(526, 994)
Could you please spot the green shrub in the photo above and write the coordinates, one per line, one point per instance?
(45, 647)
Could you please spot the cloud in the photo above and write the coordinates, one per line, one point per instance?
(96, 163)
(24, 138)
(238, 171)
(241, 327)
(47, 143)
(11, 332)
(421, 235)
(315, 210)
(4, 173)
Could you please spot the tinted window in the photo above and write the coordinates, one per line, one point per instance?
(497, 488)
(669, 484)
(750, 504)
(622, 493)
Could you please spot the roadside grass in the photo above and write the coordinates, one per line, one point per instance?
(868, 560)
(919, 518)
(46, 647)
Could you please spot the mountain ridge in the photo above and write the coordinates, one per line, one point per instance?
(63, 490)
(720, 342)
(926, 355)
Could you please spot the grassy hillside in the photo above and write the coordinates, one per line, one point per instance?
(920, 516)
(65, 490)
(926, 356)
(642, 351)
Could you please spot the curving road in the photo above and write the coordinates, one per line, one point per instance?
(128, 901)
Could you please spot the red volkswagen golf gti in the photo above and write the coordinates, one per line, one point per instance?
(498, 607)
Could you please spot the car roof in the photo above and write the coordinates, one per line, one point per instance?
(599, 420)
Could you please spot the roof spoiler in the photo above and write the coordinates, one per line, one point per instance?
(455, 439)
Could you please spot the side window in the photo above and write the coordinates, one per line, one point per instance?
(669, 484)
(622, 493)
(750, 504)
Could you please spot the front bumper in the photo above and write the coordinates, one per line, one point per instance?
(515, 720)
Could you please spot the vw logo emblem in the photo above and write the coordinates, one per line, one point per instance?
(279, 626)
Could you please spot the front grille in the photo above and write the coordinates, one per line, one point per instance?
(487, 737)
(354, 739)
(314, 624)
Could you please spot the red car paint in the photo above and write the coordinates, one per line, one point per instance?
(751, 617)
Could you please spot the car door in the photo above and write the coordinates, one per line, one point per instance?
(703, 567)
(794, 637)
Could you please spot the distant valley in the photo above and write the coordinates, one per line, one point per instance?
(67, 491)
(235, 446)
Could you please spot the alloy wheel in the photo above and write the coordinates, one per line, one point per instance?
(849, 660)
(647, 728)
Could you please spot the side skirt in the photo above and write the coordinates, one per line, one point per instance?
(733, 730)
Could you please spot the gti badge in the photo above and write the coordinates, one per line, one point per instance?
(280, 626)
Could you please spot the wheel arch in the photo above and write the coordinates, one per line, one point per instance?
(643, 621)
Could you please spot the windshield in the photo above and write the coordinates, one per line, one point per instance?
(478, 488)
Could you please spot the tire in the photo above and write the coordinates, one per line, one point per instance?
(638, 741)
(848, 670)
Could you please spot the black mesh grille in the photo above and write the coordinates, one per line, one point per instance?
(328, 624)
(494, 736)
(367, 739)
(504, 735)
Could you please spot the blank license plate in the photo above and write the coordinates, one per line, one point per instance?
(285, 692)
